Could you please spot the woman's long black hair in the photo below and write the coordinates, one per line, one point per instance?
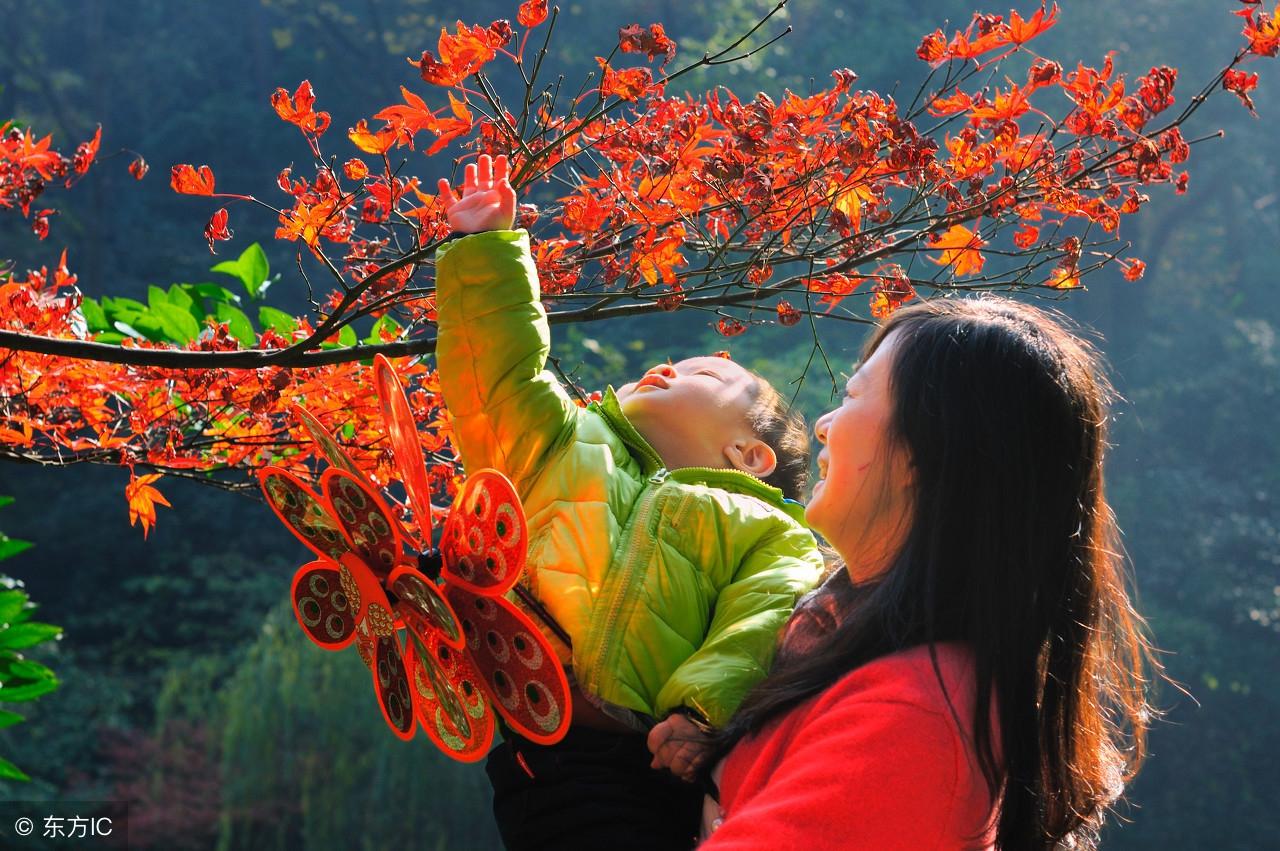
(1012, 550)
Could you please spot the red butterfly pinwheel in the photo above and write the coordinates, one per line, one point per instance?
(467, 650)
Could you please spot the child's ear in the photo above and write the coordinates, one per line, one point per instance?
(752, 455)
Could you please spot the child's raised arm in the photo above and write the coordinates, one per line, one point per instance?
(493, 335)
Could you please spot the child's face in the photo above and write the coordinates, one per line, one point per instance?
(693, 410)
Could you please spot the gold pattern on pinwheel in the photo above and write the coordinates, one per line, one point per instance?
(349, 587)
(380, 621)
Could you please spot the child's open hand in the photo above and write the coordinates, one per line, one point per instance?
(488, 202)
(679, 745)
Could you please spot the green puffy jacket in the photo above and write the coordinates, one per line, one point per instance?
(672, 584)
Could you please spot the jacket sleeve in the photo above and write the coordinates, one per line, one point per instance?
(865, 774)
(491, 350)
(750, 610)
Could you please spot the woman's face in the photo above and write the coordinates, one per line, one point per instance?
(861, 500)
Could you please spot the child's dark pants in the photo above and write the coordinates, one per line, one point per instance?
(591, 790)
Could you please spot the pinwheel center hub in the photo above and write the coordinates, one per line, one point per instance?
(431, 562)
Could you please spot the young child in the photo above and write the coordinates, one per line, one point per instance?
(658, 540)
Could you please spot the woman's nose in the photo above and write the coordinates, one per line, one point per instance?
(820, 427)
(666, 370)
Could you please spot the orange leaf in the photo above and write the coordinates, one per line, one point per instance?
(143, 499)
(139, 168)
(297, 109)
(960, 249)
(628, 84)
(1133, 269)
(187, 180)
(1064, 278)
(1020, 31)
(1007, 106)
(372, 143)
(355, 169)
(958, 102)
(1026, 236)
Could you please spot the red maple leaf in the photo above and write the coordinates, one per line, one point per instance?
(956, 103)
(1133, 269)
(139, 168)
(461, 55)
(652, 42)
(355, 169)
(730, 327)
(40, 223)
(1020, 31)
(628, 84)
(86, 153)
(1241, 83)
(188, 180)
(298, 109)
(788, 315)
(217, 229)
(532, 13)
(1263, 33)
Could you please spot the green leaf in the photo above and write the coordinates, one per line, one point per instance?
(375, 334)
(111, 338)
(10, 547)
(251, 268)
(146, 326)
(21, 694)
(28, 670)
(27, 635)
(281, 322)
(8, 719)
(95, 318)
(5, 500)
(9, 771)
(346, 339)
(213, 292)
(179, 324)
(156, 296)
(181, 298)
(115, 306)
(237, 323)
(11, 605)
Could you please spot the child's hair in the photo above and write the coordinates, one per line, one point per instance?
(773, 421)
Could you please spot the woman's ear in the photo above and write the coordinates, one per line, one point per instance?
(752, 455)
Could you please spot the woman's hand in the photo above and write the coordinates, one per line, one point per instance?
(679, 745)
(488, 202)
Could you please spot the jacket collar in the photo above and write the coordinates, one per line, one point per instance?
(728, 479)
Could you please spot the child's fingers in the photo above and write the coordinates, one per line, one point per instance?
(484, 172)
(687, 760)
(500, 168)
(469, 179)
(445, 193)
(658, 736)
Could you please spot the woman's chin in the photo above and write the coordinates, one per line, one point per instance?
(811, 509)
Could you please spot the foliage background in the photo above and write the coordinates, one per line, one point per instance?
(185, 686)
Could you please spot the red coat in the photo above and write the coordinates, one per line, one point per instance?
(877, 761)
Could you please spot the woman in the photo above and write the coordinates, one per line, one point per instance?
(974, 676)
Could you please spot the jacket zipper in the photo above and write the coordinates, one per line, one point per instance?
(623, 587)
